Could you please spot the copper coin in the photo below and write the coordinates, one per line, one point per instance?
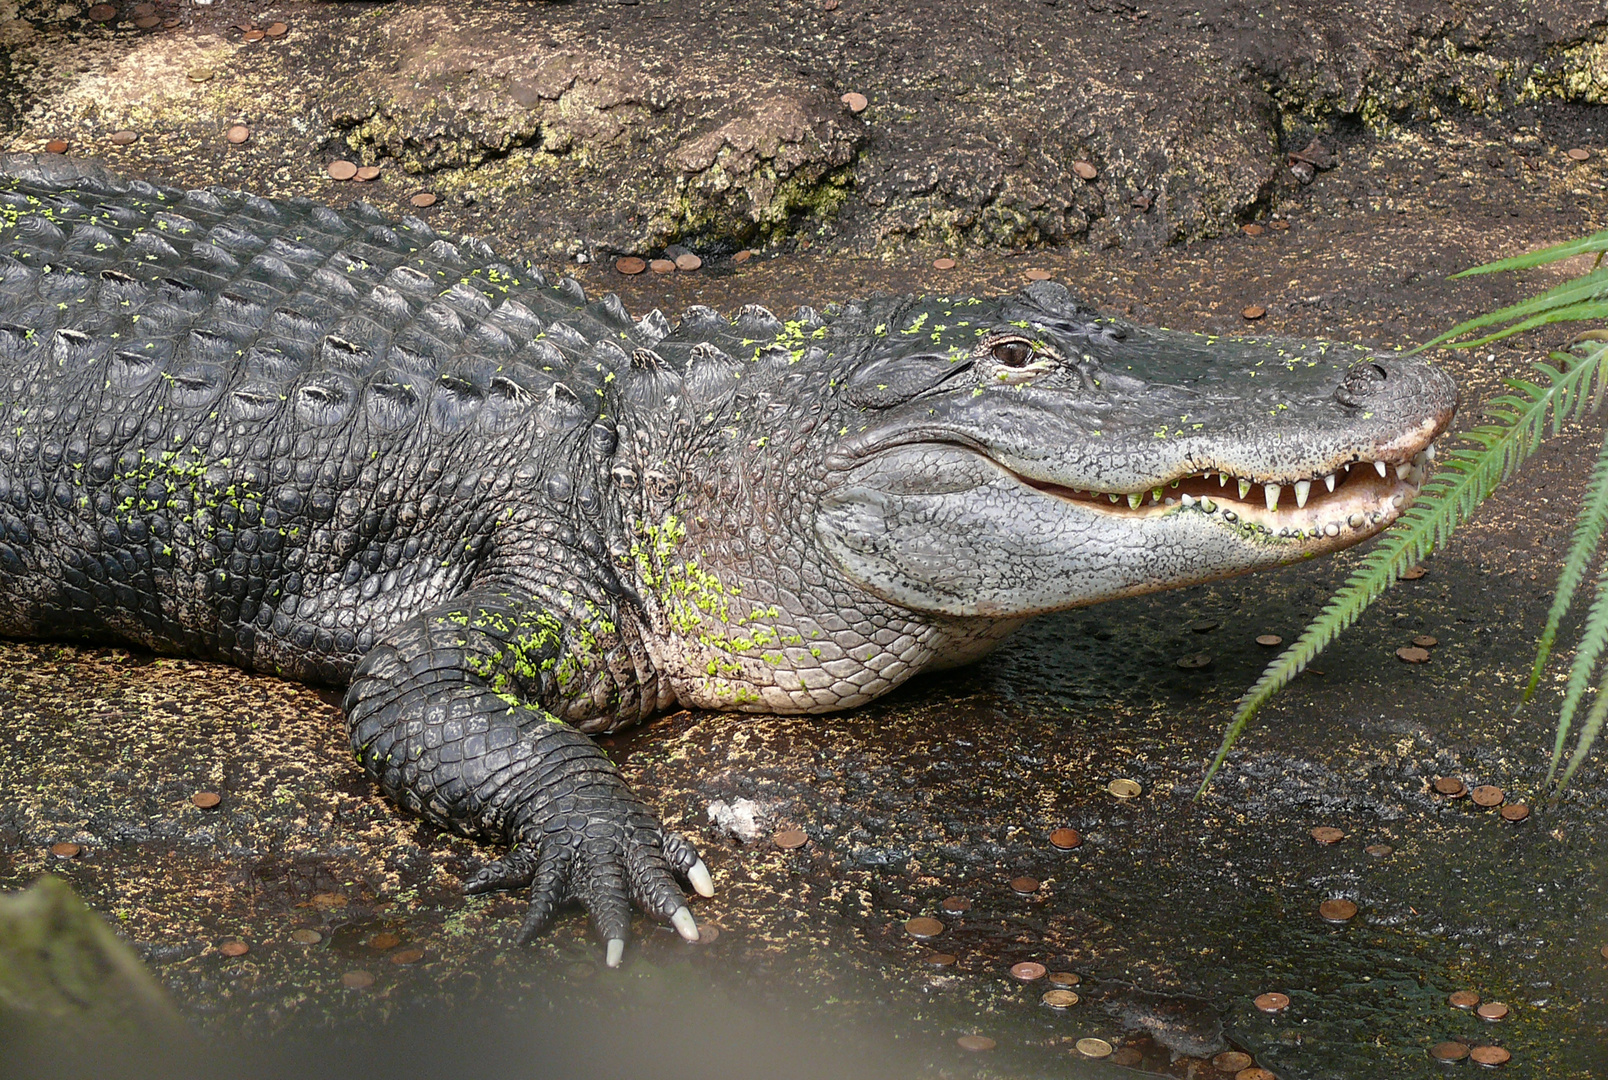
(422, 199)
(1025, 884)
(941, 959)
(234, 948)
(341, 170)
(1337, 910)
(1487, 795)
(1450, 785)
(1255, 1072)
(1066, 839)
(1085, 170)
(327, 900)
(206, 800)
(742, 257)
(139, 11)
(1463, 999)
(1379, 851)
(1492, 1010)
(1065, 978)
(276, 29)
(1269, 640)
(306, 937)
(630, 264)
(1059, 999)
(956, 904)
(407, 956)
(243, 27)
(1514, 811)
(148, 22)
(1327, 834)
(384, 940)
(1127, 1057)
(1272, 1002)
(65, 850)
(1124, 788)
(1577, 153)
(102, 13)
(254, 35)
(1490, 1055)
(237, 134)
(1202, 626)
(688, 261)
(1231, 1061)
(1252, 229)
(1426, 641)
(662, 266)
(789, 839)
(1028, 970)
(1448, 1051)
(357, 980)
(1195, 661)
(1093, 1048)
(1038, 275)
(944, 264)
(124, 137)
(1412, 654)
(1254, 312)
(56, 146)
(172, 24)
(975, 1043)
(707, 933)
(1413, 573)
(922, 928)
(856, 102)
(366, 173)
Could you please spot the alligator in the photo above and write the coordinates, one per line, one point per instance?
(350, 451)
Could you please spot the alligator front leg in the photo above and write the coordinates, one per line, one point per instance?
(445, 714)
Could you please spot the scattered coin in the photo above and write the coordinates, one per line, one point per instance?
(1514, 811)
(237, 134)
(742, 257)
(1025, 884)
(234, 948)
(254, 35)
(1253, 1073)
(102, 13)
(1426, 641)
(1059, 999)
(1412, 654)
(856, 102)
(341, 170)
(1124, 788)
(56, 146)
(1463, 999)
(789, 839)
(1066, 839)
(1093, 1048)
(1379, 851)
(1204, 626)
(206, 800)
(1450, 785)
(172, 24)
(1337, 910)
(1028, 970)
(1065, 978)
(1252, 229)
(1413, 573)
(1085, 170)
(1603, 952)
(1577, 153)
(357, 980)
(1231, 1061)
(944, 264)
(1127, 1057)
(148, 22)
(975, 1043)
(1490, 1055)
(366, 173)
(1448, 1051)
(707, 933)
(921, 928)
(407, 956)
(306, 937)
(1327, 834)
(65, 850)
(956, 904)
(422, 199)
(1195, 661)
(941, 959)
(1487, 795)
(1492, 1010)
(276, 29)
(1272, 1002)
(327, 900)
(1269, 640)
(1036, 274)
(1254, 312)
(139, 11)
(124, 137)
(201, 74)
(384, 940)
(662, 266)
(688, 261)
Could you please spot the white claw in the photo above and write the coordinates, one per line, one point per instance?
(1379, 466)
(1244, 488)
(1302, 489)
(684, 923)
(1328, 481)
(1403, 469)
(698, 877)
(1271, 491)
(615, 953)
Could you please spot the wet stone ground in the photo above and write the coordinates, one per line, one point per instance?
(1175, 915)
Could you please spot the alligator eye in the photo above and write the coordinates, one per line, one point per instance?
(1015, 353)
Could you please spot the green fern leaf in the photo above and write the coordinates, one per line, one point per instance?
(1587, 535)
(1593, 640)
(1597, 242)
(1588, 735)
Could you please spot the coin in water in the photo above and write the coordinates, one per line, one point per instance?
(975, 1043)
(1195, 661)
(1127, 1056)
(384, 940)
(56, 146)
(1269, 640)
(944, 264)
(1231, 1061)
(1449, 1051)
(237, 134)
(234, 948)
(923, 927)
(1065, 978)
(1514, 811)
(1327, 834)
(276, 29)
(707, 933)
(688, 261)
(1028, 970)
(206, 800)
(1059, 999)
(407, 956)
(1413, 573)
(1426, 641)
(102, 13)
(1449, 785)
(1254, 312)
(1379, 851)
(630, 264)
(1025, 884)
(1463, 999)
(367, 172)
(941, 959)
(422, 199)
(1253, 1073)
(124, 137)
(1124, 789)
(306, 937)
(1490, 1055)
(1038, 275)
(1337, 911)
(1066, 839)
(65, 850)
(956, 904)
(1487, 795)
(789, 839)
(1492, 1010)
(855, 102)
(1412, 654)
(341, 170)
(357, 980)
(1093, 1048)
(1272, 1002)
(742, 257)
(1085, 170)
(1577, 153)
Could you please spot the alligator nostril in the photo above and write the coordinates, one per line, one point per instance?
(1359, 383)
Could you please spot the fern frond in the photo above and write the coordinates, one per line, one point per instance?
(1597, 242)
(1588, 735)
(1584, 289)
(1587, 536)
(1590, 309)
(1593, 640)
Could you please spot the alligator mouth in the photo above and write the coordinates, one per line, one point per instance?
(1362, 495)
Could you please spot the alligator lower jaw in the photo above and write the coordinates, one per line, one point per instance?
(1366, 496)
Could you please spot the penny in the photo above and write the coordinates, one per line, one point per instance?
(742, 257)
(922, 928)
(941, 959)
(1066, 839)
(1255, 311)
(102, 13)
(1252, 229)
(237, 134)
(1253, 1073)
(65, 850)
(1412, 654)
(422, 199)
(856, 102)
(56, 146)
(1065, 978)
(1379, 851)
(124, 137)
(1514, 811)
(956, 904)
(254, 35)
(1127, 1057)
(789, 839)
(944, 264)
(975, 1043)
(662, 266)
(1463, 999)
(1059, 999)
(1413, 573)
(139, 11)
(1492, 1010)
(384, 940)
(1038, 275)
(1490, 1055)
(367, 173)
(1231, 1061)
(1124, 788)
(1093, 1048)
(234, 948)
(688, 261)
(1202, 626)
(203, 74)
(357, 980)
(1195, 661)
(148, 22)
(407, 956)
(327, 900)
(1603, 952)
(1025, 884)
(306, 937)
(276, 29)
(1085, 170)
(1337, 910)
(206, 800)
(1448, 1051)
(707, 933)
(341, 170)
(172, 24)
(1269, 640)
(1487, 795)
(1272, 1002)
(1449, 785)
(1576, 153)
(1327, 834)
(1426, 641)
(1028, 970)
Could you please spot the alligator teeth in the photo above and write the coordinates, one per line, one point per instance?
(1429, 452)
(1222, 479)
(1208, 506)
(1245, 488)
(1155, 495)
(1380, 467)
(1187, 499)
(1135, 499)
(1403, 469)
(1113, 498)
(1302, 489)
(1272, 493)
(1328, 481)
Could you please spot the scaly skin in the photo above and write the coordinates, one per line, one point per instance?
(346, 451)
